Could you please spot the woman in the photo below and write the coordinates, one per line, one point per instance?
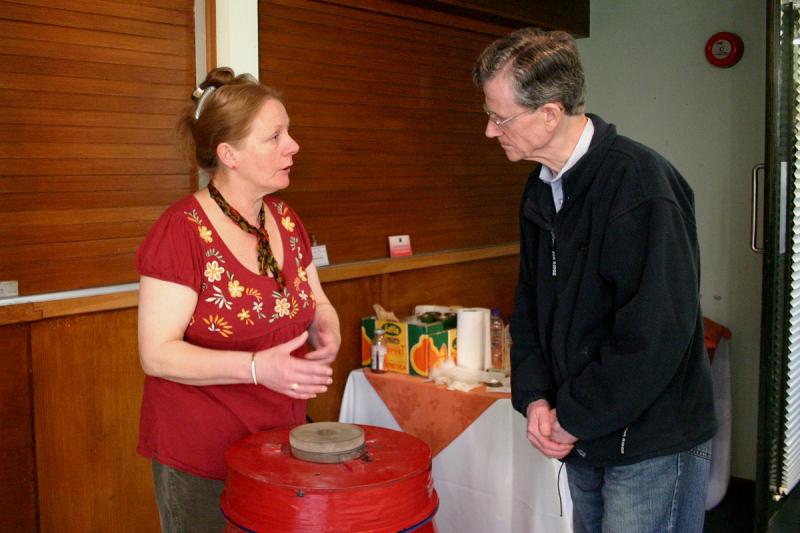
(228, 299)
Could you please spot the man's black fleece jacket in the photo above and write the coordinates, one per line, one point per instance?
(607, 323)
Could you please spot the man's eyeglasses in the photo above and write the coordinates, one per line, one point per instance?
(502, 122)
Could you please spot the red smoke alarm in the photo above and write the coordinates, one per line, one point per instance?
(724, 49)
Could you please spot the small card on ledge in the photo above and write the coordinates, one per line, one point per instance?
(400, 246)
(319, 253)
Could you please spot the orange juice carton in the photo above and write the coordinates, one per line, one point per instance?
(452, 345)
(412, 348)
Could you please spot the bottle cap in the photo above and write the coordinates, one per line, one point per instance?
(379, 330)
(495, 311)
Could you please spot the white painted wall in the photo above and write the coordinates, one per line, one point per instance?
(647, 73)
(237, 35)
(200, 40)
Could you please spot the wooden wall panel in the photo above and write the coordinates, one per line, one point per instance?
(352, 299)
(17, 464)
(390, 127)
(91, 92)
(569, 15)
(487, 283)
(87, 393)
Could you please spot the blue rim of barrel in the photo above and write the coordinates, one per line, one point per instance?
(417, 526)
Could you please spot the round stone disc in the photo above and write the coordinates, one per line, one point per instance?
(327, 442)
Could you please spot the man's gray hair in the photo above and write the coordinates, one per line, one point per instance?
(543, 66)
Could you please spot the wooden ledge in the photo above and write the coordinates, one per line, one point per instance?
(32, 312)
(376, 267)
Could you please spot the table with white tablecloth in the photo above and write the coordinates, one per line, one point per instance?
(489, 478)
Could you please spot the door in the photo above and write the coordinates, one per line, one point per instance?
(778, 469)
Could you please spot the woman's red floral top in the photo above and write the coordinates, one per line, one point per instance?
(190, 427)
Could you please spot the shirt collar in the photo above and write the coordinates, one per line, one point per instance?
(546, 175)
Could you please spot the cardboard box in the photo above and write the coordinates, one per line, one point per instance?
(411, 348)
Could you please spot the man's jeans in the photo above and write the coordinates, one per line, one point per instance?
(663, 494)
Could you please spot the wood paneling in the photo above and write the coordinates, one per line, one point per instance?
(390, 127)
(87, 393)
(487, 283)
(17, 464)
(91, 92)
(569, 15)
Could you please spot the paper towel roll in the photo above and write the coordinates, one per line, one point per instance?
(469, 335)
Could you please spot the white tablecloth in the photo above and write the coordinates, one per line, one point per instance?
(490, 478)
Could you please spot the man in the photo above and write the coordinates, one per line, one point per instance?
(608, 360)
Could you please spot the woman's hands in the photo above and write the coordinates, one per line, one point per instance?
(324, 331)
(296, 377)
(324, 336)
(303, 378)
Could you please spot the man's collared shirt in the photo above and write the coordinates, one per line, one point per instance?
(546, 175)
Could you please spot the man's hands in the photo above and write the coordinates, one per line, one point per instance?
(545, 432)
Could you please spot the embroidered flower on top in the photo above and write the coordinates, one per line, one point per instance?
(287, 223)
(244, 316)
(206, 234)
(258, 309)
(235, 289)
(282, 307)
(213, 271)
(217, 324)
(285, 305)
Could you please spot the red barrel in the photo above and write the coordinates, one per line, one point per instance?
(389, 489)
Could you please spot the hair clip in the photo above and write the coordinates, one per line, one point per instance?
(203, 94)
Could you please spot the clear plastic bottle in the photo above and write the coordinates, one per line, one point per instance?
(378, 351)
(497, 331)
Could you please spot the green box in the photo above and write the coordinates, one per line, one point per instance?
(412, 349)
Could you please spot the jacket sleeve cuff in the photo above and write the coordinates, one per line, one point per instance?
(522, 405)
